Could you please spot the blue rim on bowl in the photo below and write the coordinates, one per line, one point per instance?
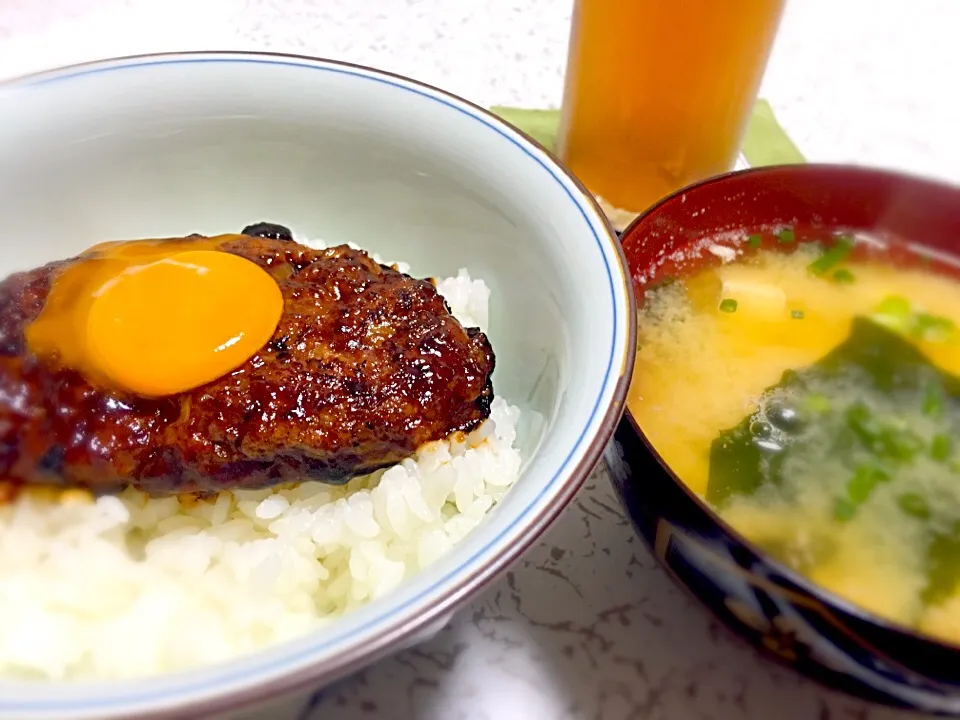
(371, 632)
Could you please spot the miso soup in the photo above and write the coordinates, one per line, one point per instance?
(811, 395)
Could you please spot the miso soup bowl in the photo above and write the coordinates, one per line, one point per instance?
(771, 606)
(168, 145)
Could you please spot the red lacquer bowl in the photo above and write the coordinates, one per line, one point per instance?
(770, 605)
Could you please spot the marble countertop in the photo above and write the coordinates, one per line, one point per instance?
(585, 625)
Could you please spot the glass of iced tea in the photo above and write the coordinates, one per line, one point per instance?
(658, 92)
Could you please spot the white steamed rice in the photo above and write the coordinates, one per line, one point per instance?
(130, 586)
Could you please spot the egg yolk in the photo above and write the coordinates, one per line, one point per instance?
(157, 317)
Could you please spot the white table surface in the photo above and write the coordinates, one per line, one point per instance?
(585, 625)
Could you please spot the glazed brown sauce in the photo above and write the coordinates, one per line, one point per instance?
(365, 365)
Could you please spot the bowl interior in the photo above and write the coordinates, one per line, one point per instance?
(167, 149)
(170, 145)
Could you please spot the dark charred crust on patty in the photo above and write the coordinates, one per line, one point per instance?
(268, 230)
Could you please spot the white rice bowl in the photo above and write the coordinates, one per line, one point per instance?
(129, 586)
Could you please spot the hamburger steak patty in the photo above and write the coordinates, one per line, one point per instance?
(365, 365)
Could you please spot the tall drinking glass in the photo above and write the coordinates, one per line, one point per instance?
(658, 92)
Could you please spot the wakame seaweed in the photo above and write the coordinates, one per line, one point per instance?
(801, 417)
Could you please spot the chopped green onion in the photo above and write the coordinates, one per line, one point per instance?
(787, 235)
(894, 312)
(843, 276)
(755, 240)
(728, 305)
(941, 447)
(843, 509)
(863, 482)
(914, 504)
(932, 399)
(900, 445)
(834, 256)
(862, 422)
(859, 487)
(894, 305)
(927, 326)
(894, 443)
(817, 404)
(796, 314)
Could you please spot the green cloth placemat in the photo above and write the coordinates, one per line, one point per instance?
(765, 142)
